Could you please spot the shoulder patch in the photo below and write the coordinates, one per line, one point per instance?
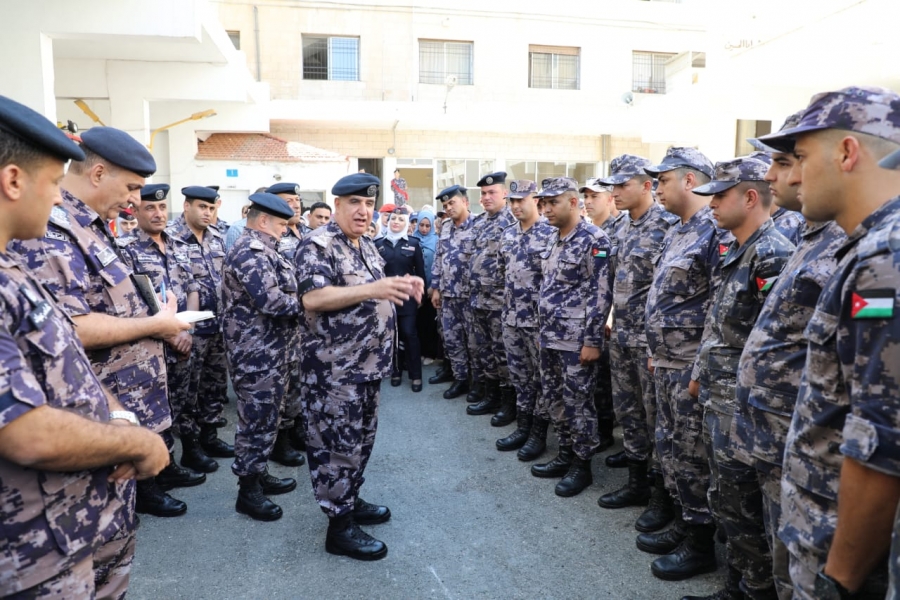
(122, 242)
(256, 245)
(59, 217)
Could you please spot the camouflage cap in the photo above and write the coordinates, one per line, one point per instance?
(593, 184)
(789, 123)
(732, 172)
(554, 186)
(625, 167)
(520, 188)
(763, 156)
(870, 110)
(891, 161)
(678, 157)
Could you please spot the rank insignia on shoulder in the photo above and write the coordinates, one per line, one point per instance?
(872, 304)
(257, 245)
(55, 235)
(598, 253)
(59, 216)
(723, 250)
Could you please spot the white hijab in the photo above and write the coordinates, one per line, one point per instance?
(403, 234)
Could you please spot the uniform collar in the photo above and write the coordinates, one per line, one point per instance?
(79, 210)
(878, 216)
(269, 240)
(735, 252)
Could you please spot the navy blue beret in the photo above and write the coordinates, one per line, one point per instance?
(200, 192)
(492, 179)
(284, 188)
(213, 187)
(120, 149)
(357, 184)
(154, 192)
(34, 128)
(272, 205)
(450, 192)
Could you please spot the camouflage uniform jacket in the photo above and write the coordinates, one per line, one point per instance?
(744, 277)
(849, 399)
(487, 286)
(354, 344)
(640, 244)
(50, 520)
(790, 224)
(523, 253)
(576, 291)
(289, 243)
(261, 308)
(775, 353)
(207, 259)
(450, 273)
(612, 227)
(682, 285)
(77, 260)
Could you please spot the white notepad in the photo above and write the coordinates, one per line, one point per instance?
(192, 316)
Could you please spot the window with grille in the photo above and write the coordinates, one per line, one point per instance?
(553, 67)
(439, 60)
(334, 58)
(649, 72)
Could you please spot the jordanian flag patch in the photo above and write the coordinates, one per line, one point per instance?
(723, 250)
(598, 253)
(765, 285)
(872, 304)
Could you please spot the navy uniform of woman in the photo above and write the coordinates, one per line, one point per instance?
(402, 255)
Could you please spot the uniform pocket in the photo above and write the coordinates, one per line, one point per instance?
(66, 499)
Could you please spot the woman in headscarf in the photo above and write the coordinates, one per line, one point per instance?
(427, 321)
(402, 255)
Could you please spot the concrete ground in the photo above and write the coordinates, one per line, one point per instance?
(468, 522)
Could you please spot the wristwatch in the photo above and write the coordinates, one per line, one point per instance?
(828, 588)
(125, 415)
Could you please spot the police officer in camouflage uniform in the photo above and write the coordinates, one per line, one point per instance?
(522, 248)
(489, 363)
(57, 438)
(450, 287)
(262, 328)
(746, 271)
(573, 305)
(641, 242)
(78, 261)
(840, 470)
(348, 338)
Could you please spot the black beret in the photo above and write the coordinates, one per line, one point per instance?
(126, 215)
(34, 128)
(492, 178)
(199, 192)
(450, 192)
(120, 149)
(357, 184)
(154, 192)
(272, 205)
(284, 188)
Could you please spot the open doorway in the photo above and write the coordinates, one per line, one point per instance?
(372, 166)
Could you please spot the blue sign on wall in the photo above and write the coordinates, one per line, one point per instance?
(231, 172)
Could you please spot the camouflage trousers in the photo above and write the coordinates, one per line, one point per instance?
(634, 399)
(292, 405)
(260, 395)
(112, 564)
(209, 377)
(603, 398)
(488, 352)
(181, 401)
(340, 432)
(568, 390)
(679, 443)
(770, 486)
(76, 581)
(523, 353)
(456, 322)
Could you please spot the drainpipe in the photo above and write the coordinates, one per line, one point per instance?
(256, 39)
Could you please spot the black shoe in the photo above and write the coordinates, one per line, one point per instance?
(662, 542)
(396, 380)
(175, 476)
(444, 375)
(617, 460)
(212, 445)
(365, 513)
(253, 503)
(416, 387)
(661, 509)
(635, 493)
(297, 435)
(558, 467)
(153, 501)
(456, 390)
(517, 438)
(607, 441)
(491, 402)
(507, 412)
(345, 538)
(720, 595)
(577, 478)
(194, 457)
(283, 452)
(537, 441)
(694, 556)
(219, 423)
(272, 486)
(476, 393)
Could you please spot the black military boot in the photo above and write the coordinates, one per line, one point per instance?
(617, 461)
(664, 541)
(605, 429)
(558, 467)
(443, 375)
(476, 393)
(345, 538)
(694, 556)
(212, 444)
(194, 457)
(273, 486)
(491, 402)
(661, 509)
(153, 501)
(297, 435)
(365, 513)
(174, 476)
(576, 479)
(732, 589)
(507, 412)
(253, 503)
(456, 390)
(635, 493)
(219, 422)
(517, 438)
(283, 453)
(537, 441)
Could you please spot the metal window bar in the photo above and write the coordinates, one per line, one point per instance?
(649, 72)
(315, 57)
(335, 58)
(437, 60)
(553, 71)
